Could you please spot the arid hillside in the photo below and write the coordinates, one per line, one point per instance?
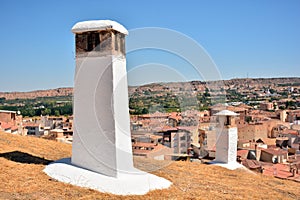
(22, 160)
(164, 87)
(38, 93)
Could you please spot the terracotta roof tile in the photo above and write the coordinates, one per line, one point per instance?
(275, 151)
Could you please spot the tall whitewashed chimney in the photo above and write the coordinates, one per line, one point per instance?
(226, 138)
(101, 140)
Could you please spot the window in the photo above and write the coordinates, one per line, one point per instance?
(96, 40)
(89, 45)
(227, 122)
(117, 41)
(122, 43)
(175, 144)
(99, 41)
(105, 40)
(86, 42)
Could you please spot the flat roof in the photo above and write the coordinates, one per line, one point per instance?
(98, 25)
(7, 111)
(226, 113)
(178, 154)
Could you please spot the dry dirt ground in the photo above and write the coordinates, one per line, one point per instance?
(22, 160)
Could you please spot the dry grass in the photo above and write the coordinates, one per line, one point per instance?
(190, 180)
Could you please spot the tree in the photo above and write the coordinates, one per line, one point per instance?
(31, 113)
(145, 111)
(47, 111)
(206, 93)
(56, 113)
(2, 100)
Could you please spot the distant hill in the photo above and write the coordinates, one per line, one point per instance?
(22, 159)
(197, 85)
(38, 93)
(226, 84)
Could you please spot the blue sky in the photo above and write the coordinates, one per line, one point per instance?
(258, 38)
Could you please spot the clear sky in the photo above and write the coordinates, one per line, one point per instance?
(257, 38)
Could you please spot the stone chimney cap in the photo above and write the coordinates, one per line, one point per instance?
(226, 113)
(98, 25)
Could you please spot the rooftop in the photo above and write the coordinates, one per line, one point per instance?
(226, 113)
(7, 111)
(290, 131)
(98, 25)
(276, 151)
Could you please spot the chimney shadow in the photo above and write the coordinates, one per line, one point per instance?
(21, 157)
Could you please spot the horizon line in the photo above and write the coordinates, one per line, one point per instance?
(159, 82)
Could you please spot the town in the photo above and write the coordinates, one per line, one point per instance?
(176, 121)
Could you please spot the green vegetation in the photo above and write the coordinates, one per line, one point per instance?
(171, 97)
(150, 102)
(39, 106)
(2, 100)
